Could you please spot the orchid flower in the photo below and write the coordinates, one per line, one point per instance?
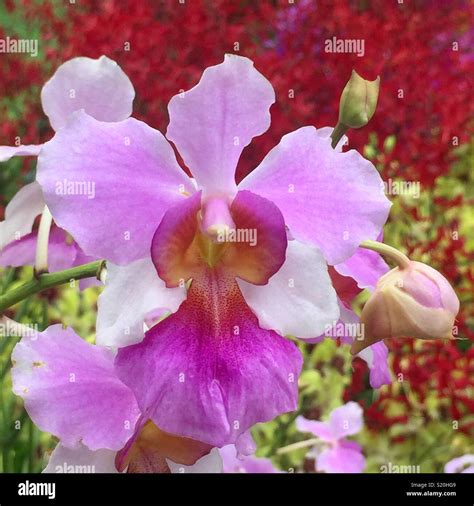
(239, 267)
(71, 389)
(99, 87)
(339, 455)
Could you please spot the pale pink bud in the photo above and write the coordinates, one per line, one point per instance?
(413, 301)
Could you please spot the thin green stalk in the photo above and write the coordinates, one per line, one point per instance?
(31, 447)
(337, 134)
(297, 446)
(7, 278)
(7, 365)
(388, 251)
(49, 280)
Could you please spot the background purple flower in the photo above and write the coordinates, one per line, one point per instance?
(338, 455)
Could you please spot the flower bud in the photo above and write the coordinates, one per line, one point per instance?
(413, 301)
(358, 101)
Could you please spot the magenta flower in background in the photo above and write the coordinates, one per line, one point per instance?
(337, 455)
(238, 266)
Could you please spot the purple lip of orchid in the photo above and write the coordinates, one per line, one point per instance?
(219, 364)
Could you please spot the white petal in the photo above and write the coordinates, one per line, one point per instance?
(367, 355)
(210, 463)
(81, 460)
(130, 293)
(7, 152)
(100, 87)
(20, 213)
(299, 299)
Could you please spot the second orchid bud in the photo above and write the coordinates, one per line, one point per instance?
(413, 301)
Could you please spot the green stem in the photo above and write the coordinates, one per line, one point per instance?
(389, 251)
(337, 133)
(298, 445)
(49, 280)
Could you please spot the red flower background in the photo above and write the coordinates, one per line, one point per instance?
(421, 131)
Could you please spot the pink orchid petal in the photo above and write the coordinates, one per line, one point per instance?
(340, 460)
(258, 465)
(245, 445)
(351, 445)
(132, 176)
(346, 420)
(257, 259)
(321, 430)
(71, 390)
(61, 254)
(99, 86)
(331, 199)
(464, 464)
(213, 122)
(376, 357)
(171, 250)
(232, 463)
(365, 266)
